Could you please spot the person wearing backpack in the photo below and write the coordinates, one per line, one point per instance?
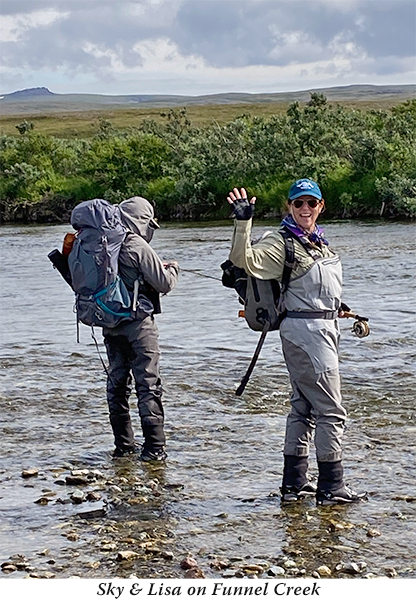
(309, 334)
(132, 346)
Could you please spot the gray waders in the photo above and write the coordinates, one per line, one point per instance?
(133, 350)
(310, 339)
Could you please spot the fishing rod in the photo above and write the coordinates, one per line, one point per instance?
(200, 274)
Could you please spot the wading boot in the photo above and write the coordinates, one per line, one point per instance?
(331, 486)
(153, 454)
(120, 452)
(123, 435)
(295, 483)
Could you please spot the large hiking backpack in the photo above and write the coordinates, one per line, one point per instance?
(261, 299)
(102, 298)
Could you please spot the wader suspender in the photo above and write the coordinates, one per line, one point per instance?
(287, 270)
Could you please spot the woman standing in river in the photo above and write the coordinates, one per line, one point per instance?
(310, 337)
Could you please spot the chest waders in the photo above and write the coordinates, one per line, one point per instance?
(310, 339)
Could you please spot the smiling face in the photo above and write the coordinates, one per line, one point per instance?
(306, 215)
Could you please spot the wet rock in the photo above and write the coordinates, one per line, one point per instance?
(252, 569)
(8, 567)
(339, 526)
(344, 548)
(116, 489)
(373, 533)
(108, 546)
(333, 526)
(22, 566)
(47, 575)
(324, 571)
(43, 501)
(30, 473)
(391, 572)
(72, 536)
(194, 573)
(236, 559)
(77, 497)
(60, 482)
(129, 540)
(352, 568)
(127, 555)
(76, 480)
(174, 486)
(219, 565)
(289, 564)
(16, 558)
(93, 514)
(97, 474)
(405, 498)
(93, 496)
(151, 549)
(228, 573)
(275, 571)
(80, 472)
(188, 563)
(292, 552)
(139, 500)
(44, 552)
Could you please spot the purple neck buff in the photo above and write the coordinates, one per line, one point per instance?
(317, 235)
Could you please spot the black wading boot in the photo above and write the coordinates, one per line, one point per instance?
(123, 435)
(295, 483)
(331, 486)
(154, 439)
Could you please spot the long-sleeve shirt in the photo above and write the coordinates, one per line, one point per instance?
(265, 259)
(138, 257)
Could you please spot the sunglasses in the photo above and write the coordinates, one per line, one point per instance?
(311, 203)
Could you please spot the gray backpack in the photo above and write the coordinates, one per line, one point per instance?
(102, 298)
(260, 298)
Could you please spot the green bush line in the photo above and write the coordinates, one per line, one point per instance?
(364, 161)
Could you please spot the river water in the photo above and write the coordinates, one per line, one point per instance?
(217, 498)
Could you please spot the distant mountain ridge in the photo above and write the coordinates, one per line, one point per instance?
(30, 93)
(42, 100)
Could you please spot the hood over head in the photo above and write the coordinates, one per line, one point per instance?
(137, 215)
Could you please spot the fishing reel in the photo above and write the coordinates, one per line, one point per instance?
(360, 327)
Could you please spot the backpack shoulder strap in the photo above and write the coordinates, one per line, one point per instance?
(289, 259)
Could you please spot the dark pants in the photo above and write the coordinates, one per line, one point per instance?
(133, 349)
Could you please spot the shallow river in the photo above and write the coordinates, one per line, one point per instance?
(217, 498)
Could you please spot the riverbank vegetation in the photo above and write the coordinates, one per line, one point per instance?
(364, 160)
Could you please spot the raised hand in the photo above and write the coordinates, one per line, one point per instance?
(243, 208)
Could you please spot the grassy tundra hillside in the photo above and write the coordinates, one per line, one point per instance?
(74, 115)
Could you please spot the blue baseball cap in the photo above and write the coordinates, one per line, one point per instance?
(304, 187)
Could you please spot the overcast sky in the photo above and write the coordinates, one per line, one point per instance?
(194, 47)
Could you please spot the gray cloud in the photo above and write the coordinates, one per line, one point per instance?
(224, 33)
(244, 33)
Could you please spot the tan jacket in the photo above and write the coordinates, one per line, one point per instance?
(265, 259)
